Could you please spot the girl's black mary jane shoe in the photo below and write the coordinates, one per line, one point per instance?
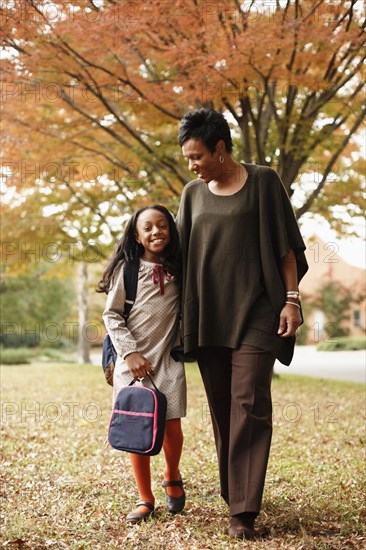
(175, 504)
(136, 517)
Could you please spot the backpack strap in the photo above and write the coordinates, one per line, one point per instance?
(130, 276)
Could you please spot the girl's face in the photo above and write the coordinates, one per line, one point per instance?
(152, 231)
(205, 164)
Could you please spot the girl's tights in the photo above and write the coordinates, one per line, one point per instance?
(172, 447)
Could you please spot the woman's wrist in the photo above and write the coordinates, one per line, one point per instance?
(293, 298)
(292, 303)
(293, 295)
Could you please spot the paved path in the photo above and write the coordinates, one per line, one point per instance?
(338, 365)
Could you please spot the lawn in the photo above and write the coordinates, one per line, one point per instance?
(63, 488)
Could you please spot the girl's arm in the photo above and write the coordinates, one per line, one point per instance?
(290, 317)
(123, 341)
(115, 324)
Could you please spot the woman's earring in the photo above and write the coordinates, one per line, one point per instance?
(221, 159)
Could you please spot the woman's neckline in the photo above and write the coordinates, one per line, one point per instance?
(236, 192)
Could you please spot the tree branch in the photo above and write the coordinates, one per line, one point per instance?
(313, 9)
(82, 61)
(309, 201)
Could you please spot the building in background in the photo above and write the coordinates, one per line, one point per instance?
(327, 268)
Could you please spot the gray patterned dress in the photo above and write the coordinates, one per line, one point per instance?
(153, 330)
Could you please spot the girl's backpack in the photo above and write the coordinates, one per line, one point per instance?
(138, 420)
(109, 354)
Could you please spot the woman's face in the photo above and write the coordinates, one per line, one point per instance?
(201, 161)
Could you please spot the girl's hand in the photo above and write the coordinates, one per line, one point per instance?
(138, 365)
(290, 320)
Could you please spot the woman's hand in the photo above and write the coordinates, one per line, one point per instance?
(290, 320)
(138, 365)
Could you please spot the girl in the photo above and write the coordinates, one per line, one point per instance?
(151, 244)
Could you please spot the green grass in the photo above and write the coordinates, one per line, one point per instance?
(63, 488)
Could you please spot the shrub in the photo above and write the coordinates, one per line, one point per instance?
(334, 300)
(302, 335)
(60, 343)
(344, 343)
(16, 340)
(52, 355)
(12, 356)
(33, 340)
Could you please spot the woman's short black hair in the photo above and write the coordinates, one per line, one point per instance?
(207, 125)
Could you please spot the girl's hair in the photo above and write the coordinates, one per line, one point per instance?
(129, 250)
(207, 125)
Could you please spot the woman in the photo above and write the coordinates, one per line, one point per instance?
(243, 259)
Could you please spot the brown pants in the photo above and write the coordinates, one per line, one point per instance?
(238, 388)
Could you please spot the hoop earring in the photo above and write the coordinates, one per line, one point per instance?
(221, 159)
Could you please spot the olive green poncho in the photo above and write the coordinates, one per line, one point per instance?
(232, 249)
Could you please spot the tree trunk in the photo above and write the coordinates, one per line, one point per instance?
(83, 342)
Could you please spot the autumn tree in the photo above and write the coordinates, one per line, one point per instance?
(93, 92)
(107, 82)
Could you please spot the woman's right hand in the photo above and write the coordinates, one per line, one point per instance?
(138, 365)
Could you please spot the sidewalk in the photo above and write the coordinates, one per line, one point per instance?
(338, 365)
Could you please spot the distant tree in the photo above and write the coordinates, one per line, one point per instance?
(66, 243)
(36, 308)
(334, 300)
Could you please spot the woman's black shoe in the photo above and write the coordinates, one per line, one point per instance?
(241, 526)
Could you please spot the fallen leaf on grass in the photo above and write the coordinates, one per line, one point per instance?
(19, 543)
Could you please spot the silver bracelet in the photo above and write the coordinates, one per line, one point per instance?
(293, 294)
(293, 304)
